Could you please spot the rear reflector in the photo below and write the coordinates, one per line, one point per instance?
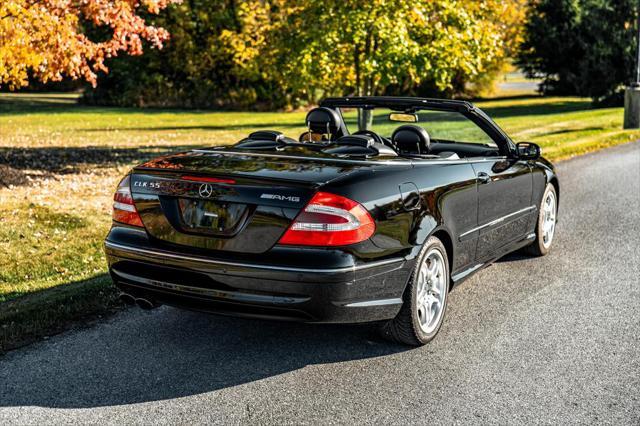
(124, 211)
(208, 179)
(330, 220)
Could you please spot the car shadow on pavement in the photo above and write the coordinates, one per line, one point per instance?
(142, 356)
(514, 257)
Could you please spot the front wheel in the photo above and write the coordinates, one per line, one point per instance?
(546, 224)
(425, 299)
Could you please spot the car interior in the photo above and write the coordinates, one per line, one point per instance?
(327, 132)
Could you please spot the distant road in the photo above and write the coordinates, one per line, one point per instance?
(548, 340)
(531, 86)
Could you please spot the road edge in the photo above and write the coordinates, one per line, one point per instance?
(55, 310)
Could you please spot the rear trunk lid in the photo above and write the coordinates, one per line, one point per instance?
(229, 200)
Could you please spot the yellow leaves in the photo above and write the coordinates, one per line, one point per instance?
(45, 39)
(256, 22)
(21, 28)
(360, 46)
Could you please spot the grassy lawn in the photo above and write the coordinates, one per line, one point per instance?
(60, 163)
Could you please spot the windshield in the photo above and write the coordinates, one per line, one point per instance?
(443, 126)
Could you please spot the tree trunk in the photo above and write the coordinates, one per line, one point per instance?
(364, 116)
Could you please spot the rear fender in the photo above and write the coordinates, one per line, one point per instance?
(426, 227)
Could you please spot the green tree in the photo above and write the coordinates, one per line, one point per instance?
(294, 52)
(364, 47)
(194, 69)
(581, 47)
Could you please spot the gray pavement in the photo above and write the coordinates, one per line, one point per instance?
(546, 340)
(531, 86)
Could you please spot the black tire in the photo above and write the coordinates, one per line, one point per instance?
(539, 247)
(405, 327)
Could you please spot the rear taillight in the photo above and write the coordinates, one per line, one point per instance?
(124, 211)
(330, 220)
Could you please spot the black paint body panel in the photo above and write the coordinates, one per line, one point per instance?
(246, 272)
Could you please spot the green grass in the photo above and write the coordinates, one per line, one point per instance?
(38, 314)
(60, 163)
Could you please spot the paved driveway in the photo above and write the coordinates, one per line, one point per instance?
(552, 340)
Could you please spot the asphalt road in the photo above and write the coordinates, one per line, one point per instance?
(546, 340)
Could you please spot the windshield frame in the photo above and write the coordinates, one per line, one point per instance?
(404, 104)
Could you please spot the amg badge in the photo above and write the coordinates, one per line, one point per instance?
(281, 197)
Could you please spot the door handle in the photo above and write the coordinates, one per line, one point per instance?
(484, 177)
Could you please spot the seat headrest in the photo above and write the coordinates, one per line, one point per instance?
(411, 139)
(323, 120)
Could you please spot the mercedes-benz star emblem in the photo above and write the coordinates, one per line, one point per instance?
(205, 190)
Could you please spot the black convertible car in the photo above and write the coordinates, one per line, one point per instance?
(339, 225)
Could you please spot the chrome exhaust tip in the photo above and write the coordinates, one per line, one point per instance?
(145, 304)
(127, 299)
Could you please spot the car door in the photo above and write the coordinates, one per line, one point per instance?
(505, 187)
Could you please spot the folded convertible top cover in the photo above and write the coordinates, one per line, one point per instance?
(266, 135)
(356, 140)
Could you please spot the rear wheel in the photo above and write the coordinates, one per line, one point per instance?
(546, 225)
(425, 299)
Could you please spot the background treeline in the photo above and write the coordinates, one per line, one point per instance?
(265, 54)
(581, 47)
(287, 53)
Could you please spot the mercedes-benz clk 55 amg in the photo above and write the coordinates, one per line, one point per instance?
(340, 225)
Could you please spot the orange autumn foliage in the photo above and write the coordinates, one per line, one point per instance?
(43, 39)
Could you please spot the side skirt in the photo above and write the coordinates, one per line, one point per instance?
(461, 276)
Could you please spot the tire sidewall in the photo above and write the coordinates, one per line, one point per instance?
(432, 243)
(539, 226)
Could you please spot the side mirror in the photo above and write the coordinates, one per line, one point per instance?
(528, 150)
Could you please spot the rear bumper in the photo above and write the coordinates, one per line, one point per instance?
(338, 293)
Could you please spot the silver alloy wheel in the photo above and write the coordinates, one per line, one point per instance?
(548, 219)
(431, 290)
